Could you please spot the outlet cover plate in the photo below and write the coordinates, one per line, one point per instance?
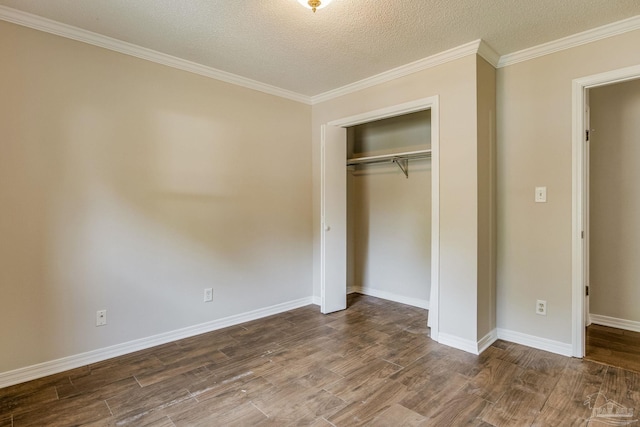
(541, 307)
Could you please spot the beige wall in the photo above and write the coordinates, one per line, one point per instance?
(455, 84)
(486, 101)
(390, 215)
(614, 211)
(130, 186)
(534, 149)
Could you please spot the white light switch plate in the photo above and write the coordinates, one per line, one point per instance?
(541, 194)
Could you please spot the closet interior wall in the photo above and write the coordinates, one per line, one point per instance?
(388, 214)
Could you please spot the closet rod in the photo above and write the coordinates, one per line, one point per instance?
(400, 159)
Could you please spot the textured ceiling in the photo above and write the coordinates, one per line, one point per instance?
(280, 43)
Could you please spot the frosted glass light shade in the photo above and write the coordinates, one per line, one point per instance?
(324, 3)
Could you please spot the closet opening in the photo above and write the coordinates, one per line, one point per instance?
(389, 180)
(406, 135)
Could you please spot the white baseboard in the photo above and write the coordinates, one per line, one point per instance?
(468, 345)
(414, 302)
(40, 370)
(456, 342)
(316, 300)
(486, 341)
(536, 342)
(613, 322)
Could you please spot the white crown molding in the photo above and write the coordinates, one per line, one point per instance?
(49, 26)
(56, 366)
(595, 34)
(404, 70)
(478, 47)
(487, 52)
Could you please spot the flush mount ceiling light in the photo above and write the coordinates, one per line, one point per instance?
(314, 4)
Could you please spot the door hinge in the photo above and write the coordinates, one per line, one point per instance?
(582, 234)
(587, 135)
(586, 290)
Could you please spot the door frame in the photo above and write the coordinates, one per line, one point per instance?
(580, 207)
(429, 103)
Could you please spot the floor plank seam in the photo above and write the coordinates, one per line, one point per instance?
(258, 408)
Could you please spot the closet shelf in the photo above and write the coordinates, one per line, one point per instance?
(400, 159)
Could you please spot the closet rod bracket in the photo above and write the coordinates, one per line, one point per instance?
(403, 164)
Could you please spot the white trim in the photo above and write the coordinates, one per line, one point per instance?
(487, 52)
(49, 26)
(316, 300)
(322, 216)
(592, 35)
(456, 342)
(53, 27)
(474, 47)
(486, 341)
(479, 47)
(387, 112)
(56, 366)
(468, 345)
(434, 298)
(390, 296)
(613, 322)
(578, 196)
(577, 247)
(431, 103)
(535, 342)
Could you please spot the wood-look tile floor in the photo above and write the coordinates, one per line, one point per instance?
(616, 347)
(372, 364)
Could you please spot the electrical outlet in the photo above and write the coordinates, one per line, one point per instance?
(541, 307)
(208, 294)
(101, 317)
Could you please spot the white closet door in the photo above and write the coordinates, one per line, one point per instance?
(333, 258)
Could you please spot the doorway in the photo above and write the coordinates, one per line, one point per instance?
(583, 239)
(613, 224)
(333, 257)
